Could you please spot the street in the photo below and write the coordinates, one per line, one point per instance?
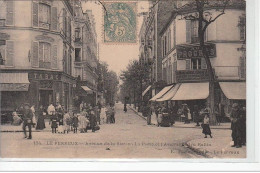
(129, 137)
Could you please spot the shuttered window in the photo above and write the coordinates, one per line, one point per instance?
(64, 21)
(45, 55)
(9, 53)
(35, 54)
(44, 16)
(9, 13)
(2, 51)
(54, 63)
(242, 67)
(188, 31)
(203, 63)
(69, 28)
(35, 9)
(54, 19)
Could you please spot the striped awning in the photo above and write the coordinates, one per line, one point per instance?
(146, 90)
(234, 90)
(170, 94)
(161, 93)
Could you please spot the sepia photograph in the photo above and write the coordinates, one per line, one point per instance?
(148, 79)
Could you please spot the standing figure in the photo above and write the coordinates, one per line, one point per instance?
(40, 123)
(60, 113)
(81, 106)
(27, 120)
(206, 129)
(97, 113)
(236, 128)
(33, 118)
(186, 112)
(125, 108)
(75, 123)
(113, 120)
(103, 115)
(67, 122)
(82, 122)
(51, 110)
(92, 121)
(54, 123)
(16, 119)
(108, 115)
(196, 115)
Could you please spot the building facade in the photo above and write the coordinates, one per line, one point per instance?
(183, 61)
(150, 40)
(38, 53)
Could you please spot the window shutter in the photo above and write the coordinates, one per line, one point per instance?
(203, 63)
(54, 57)
(9, 53)
(54, 19)
(69, 28)
(187, 64)
(64, 15)
(35, 14)
(35, 54)
(242, 67)
(9, 12)
(188, 31)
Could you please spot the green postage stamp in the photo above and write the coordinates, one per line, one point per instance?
(120, 22)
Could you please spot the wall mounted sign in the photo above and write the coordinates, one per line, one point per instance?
(14, 87)
(44, 76)
(188, 52)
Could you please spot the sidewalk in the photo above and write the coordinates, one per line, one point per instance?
(217, 147)
(181, 124)
(12, 128)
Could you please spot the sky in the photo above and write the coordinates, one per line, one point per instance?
(117, 56)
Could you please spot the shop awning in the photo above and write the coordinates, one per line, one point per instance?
(87, 89)
(170, 94)
(161, 93)
(14, 82)
(234, 90)
(146, 90)
(192, 91)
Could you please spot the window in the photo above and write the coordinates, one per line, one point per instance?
(44, 55)
(242, 26)
(6, 13)
(77, 34)
(77, 54)
(44, 16)
(2, 52)
(195, 64)
(194, 31)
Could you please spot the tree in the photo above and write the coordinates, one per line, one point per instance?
(203, 14)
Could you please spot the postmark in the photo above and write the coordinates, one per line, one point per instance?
(120, 22)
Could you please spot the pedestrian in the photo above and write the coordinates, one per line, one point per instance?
(51, 110)
(75, 123)
(16, 119)
(236, 116)
(67, 122)
(196, 115)
(103, 115)
(27, 120)
(34, 118)
(92, 121)
(125, 108)
(40, 123)
(108, 114)
(113, 120)
(206, 128)
(186, 113)
(54, 122)
(243, 124)
(97, 113)
(82, 122)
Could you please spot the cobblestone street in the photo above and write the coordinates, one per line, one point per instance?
(129, 137)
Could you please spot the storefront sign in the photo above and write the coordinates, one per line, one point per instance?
(14, 87)
(188, 52)
(44, 76)
(191, 75)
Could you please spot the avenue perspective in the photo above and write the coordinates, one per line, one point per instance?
(123, 79)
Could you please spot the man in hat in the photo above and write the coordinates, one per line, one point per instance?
(27, 120)
(235, 117)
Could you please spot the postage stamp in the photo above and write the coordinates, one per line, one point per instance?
(120, 22)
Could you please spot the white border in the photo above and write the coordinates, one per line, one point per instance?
(177, 164)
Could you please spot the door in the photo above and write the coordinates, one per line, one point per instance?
(46, 98)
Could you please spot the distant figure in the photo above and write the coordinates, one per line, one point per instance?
(54, 123)
(27, 120)
(16, 119)
(81, 106)
(103, 115)
(205, 125)
(92, 121)
(125, 108)
(113, 120)
(67, 122)
(82, 123)
(236, 117)
(75, 122)
(40, 123)
(34, 118)
(51, 110)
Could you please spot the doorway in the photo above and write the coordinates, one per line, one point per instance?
(45, 98)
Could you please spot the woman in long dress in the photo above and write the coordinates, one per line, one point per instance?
(40, 122)
(103, 115)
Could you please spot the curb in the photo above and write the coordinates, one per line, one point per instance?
(136, 112)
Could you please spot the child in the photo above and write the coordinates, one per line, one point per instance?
(205, 126)
(67, 122)
(54, 125)
(75, 122)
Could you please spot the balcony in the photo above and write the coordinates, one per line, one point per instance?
(192, 75)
